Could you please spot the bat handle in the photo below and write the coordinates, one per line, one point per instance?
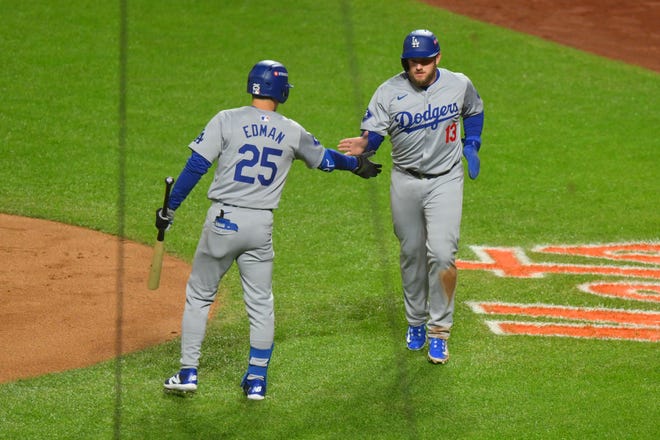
(169, 181)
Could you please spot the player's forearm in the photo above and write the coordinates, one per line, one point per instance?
(335, 160)
(473, 126)
(373, 140)
(195, 168)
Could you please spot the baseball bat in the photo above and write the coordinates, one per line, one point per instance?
(159, 247)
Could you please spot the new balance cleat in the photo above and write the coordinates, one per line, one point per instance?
(184, 380)
(416, 337)
(438, 351)
(254, 389)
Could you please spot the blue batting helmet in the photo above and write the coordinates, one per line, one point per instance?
(419, 44)
(269, 79)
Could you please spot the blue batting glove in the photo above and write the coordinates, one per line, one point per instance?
(470, 150)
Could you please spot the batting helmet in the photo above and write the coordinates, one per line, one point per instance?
(269, 79)
(419, 44)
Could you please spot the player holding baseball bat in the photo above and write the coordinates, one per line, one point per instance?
(163, 221)
(253, 148)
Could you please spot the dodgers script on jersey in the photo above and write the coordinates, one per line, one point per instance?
(253, 161)
(425, 126)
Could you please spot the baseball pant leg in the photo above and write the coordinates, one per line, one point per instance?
(443, 216)
(255, 265)
(256, 268)
(214, 256)
(410, 228)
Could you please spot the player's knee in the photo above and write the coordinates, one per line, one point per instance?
(198, 294)
(443, 260)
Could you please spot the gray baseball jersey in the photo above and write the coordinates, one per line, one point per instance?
(424, 126)
(254, 150)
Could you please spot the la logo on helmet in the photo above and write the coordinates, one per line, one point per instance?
(415, 42)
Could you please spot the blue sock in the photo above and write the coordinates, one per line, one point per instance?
(258, 363)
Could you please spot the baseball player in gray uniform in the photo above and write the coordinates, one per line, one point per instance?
(422, 110)
(254, 147)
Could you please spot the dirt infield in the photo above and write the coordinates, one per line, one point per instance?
(60, 283)
(621, 30)
(60, 303)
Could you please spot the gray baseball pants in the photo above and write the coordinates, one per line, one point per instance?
(426, 214)
(244, 236)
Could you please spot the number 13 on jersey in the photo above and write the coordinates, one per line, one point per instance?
(451, 133)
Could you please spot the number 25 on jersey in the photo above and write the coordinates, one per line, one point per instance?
(254, 158)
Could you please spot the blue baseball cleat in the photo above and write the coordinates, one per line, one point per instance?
(416, 337)
(184, 380)
(438, 351)
(254, 389)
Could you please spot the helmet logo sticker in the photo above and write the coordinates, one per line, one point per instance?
(256, 88)
(415, 42)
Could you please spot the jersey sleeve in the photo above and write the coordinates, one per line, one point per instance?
(472, 103)
(376, 119)
(209, 142)
(309, 149)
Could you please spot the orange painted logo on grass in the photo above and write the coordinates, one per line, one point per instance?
(634, 325)
(647, 292)
(513, 262)
(573, 330)
(637, 252)
(617, 316)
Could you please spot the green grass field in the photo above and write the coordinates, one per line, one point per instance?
(570, 156)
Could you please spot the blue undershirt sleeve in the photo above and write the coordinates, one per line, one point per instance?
(195, 168)
(374, 141)
(335, 160)
(473, 126)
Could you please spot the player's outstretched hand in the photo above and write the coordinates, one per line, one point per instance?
(470, 151)
(353, 146)
(164, 222)
(367, 168)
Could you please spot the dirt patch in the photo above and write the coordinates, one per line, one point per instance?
(60, 292)
(623, 30)
(60, 283)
